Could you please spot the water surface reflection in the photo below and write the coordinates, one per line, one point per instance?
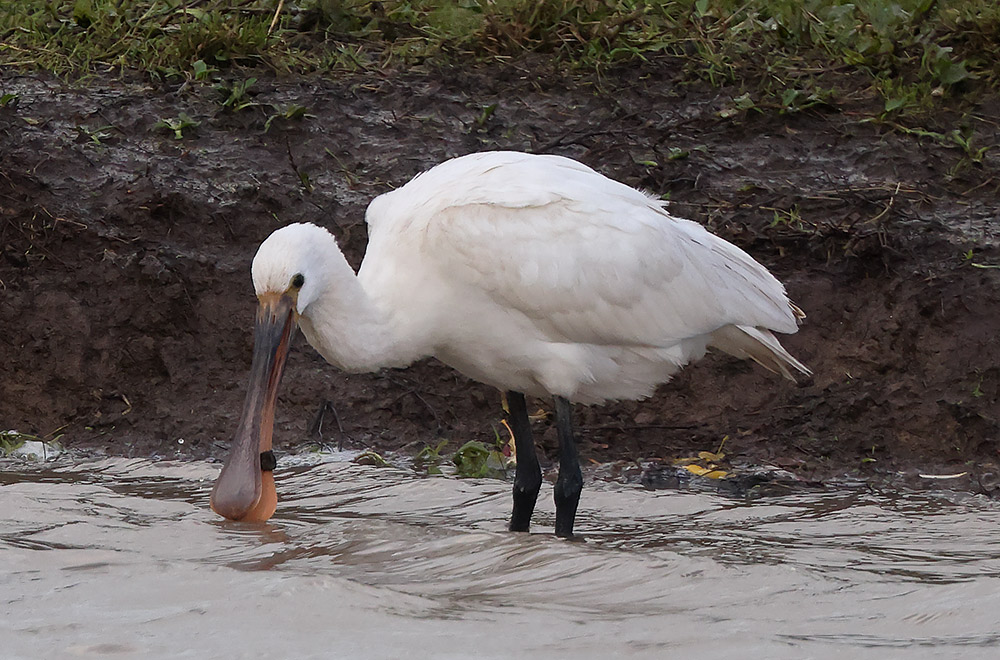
(123, 558)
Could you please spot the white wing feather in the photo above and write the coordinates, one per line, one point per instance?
(589, 259)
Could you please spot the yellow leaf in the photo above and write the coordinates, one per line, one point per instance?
(708, 473)
(710, 457)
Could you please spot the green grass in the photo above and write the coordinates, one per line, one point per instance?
(791, 54)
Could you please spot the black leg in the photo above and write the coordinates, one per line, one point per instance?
(528, 476)
(570, 481)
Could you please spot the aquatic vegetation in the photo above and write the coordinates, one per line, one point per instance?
(27, 446)
(476, 459)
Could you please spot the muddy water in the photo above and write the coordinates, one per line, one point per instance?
(123, 559)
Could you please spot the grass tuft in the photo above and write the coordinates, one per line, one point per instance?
(789, 53)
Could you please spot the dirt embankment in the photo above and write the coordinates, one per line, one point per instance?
(126, 304)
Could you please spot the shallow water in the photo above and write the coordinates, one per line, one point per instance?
(123, 558)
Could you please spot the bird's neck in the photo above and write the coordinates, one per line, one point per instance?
(349, 329)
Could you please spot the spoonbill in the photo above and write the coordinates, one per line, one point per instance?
(532, 273)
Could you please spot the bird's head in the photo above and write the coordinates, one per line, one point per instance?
(293, 262)
(288, 275)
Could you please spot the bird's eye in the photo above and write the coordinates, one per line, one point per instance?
(298, 280)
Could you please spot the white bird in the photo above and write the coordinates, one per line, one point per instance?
(533, 274)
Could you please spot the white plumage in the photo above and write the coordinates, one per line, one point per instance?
(534, 274)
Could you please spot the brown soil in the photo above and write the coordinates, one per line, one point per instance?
(126, 303)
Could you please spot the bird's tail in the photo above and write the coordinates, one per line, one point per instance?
(759, 345)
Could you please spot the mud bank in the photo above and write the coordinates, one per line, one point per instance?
(126, 303)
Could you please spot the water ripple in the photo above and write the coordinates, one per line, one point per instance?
(380, 562)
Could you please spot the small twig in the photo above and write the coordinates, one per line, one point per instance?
(274, 21)
(892, 200)
(984, 183)
(316, 428)
(303, 178)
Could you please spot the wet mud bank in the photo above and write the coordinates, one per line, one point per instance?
(126, 304)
